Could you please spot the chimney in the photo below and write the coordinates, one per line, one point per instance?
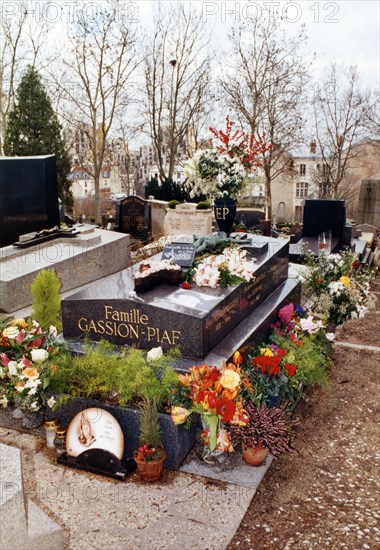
(313, 147)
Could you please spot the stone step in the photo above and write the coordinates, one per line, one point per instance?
(43, 532)
(23, 523)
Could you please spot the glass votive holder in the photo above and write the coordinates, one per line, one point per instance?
(50, 427)
(60, 440)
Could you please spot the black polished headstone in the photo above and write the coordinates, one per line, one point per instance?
(321, 216)
(28, 196)
(134, 217)
(196, 320)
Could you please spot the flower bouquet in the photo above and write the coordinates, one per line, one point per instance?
(219, 172)
(214, 395)
(228, 268)
(25, 368)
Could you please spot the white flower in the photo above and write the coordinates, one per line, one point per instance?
(154, 354)
(2, 372)
(12, 368)
(308, 325)
(39, 355)
(53, 332)
(36, 324)
(51, 401)
(330, 336)
(11, 332)
(4, 401)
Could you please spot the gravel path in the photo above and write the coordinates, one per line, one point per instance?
(326, 493)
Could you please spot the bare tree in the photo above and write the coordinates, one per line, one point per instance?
(177, 74)
(265, 87)
(341, 109)
(94, 87)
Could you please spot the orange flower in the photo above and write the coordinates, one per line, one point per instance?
(31, 373)
(185, 379)
(237, 358)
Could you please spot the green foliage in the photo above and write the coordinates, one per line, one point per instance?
(106, 373)
(173, 204)
(5, 320)
(150, 432)
(33, 129)
(203, 205)
(46, 299)
(170, 190)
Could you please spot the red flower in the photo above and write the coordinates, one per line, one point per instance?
(356, 264)
(185, 285)
(226, 408)
(292, 369)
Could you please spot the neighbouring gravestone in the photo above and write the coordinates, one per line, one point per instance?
(134, 217)
(323, 220)
(369, 203)
(28, 196)
(197, 320)
(185, 219)
(321, 216)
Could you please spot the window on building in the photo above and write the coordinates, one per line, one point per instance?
(105, 175)
(302, 169)
(302, 189)
(325, 191)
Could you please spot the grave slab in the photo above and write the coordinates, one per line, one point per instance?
(92, 254)
(196, 320)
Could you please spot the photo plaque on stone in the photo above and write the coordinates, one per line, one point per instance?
(95, 442)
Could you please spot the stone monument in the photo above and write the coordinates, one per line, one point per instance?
(369, 203)
(28, 196)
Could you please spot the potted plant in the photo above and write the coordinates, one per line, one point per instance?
(150, 456)
(268, 431)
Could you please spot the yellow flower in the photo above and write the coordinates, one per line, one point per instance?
(21, 323)
(230, 379)
(345, 280)
(267, 352)
(180, 414)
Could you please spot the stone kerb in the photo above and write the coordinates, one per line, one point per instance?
(186, 219)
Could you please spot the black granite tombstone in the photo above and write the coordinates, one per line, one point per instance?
(134, 217)
(196, 320)
(28, 196)
(322, 215)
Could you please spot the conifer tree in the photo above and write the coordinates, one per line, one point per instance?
(46, 299)
(33, 129)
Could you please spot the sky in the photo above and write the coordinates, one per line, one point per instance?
(345, 31)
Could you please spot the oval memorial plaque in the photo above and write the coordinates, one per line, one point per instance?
(94, 429)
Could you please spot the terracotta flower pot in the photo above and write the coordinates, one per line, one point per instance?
(150, 470)
(255, 456)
